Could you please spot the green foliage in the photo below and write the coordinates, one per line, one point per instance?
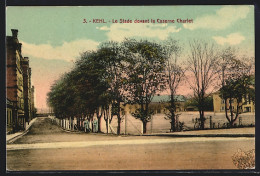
(174, 75)
(208, 103)
(80, 90)
(134, 71)
(128, 72)
(143, 114)
(145, 64)
(237, 83)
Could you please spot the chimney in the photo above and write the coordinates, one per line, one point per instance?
(14, 32)
(26, 61)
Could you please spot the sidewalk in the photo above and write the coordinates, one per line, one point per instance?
(232, 132)
(84, 144)
(10, 137)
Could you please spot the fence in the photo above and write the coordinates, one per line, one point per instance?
(158, 124)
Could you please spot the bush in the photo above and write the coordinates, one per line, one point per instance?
(244, 159)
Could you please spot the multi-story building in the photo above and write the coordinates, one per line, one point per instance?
(26, 88)
(33, 112)
(9, 115)
(247, 105)
(18, 84)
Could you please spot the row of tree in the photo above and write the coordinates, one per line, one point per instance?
(134, 71)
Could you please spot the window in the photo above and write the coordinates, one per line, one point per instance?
(222, 101)
(222, 108)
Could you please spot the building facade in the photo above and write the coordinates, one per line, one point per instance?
(9, 115)
(247, 105)
(159, 103)
(18, 84)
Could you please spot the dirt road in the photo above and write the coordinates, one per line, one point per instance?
(47, 147)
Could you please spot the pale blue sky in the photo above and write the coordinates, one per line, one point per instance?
(56, 35)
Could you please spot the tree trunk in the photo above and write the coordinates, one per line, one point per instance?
(173, 123)
(118, 125)
(106, 118)
(172, 111)
(231, 112)
(226, 111)
(78, 122)
(99, 124)
(107, 125)
(144, 127)
(118, 118)
(202, 120)
(99, 119)
(231, 124)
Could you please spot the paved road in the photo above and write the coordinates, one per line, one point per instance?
(47, 147)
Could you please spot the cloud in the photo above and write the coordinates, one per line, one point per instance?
(118, 32)
(67, 51)
(103, 28)
(231, 39)
(223, 18)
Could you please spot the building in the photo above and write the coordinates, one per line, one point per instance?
(247, 105)
(18, 84)
(158, 104)
(26, 88)
(33, 112)
(9, 115)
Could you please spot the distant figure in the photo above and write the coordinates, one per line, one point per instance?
(86, 125)
(52, 118)
(95, 126)
(75, 126)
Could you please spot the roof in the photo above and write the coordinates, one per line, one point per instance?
(165, 98)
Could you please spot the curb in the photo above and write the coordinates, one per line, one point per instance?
(202, 135)
(17, 137)
(79, 132)
(70, 131)
(11, 140)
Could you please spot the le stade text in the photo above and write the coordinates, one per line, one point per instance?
(178, 20)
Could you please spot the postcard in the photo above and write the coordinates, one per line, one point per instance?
(101, 88)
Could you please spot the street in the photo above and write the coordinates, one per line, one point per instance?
(47, 147)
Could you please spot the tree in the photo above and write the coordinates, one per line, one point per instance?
(91, 85)
(237, 82)
(233, 92)
(107, 109)
(111, 54)
(174, 75)
(202, 66)
(208, 103)
(79, 92)
(61, 97)
(145, 75)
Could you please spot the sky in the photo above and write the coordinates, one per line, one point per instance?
(53, 37)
